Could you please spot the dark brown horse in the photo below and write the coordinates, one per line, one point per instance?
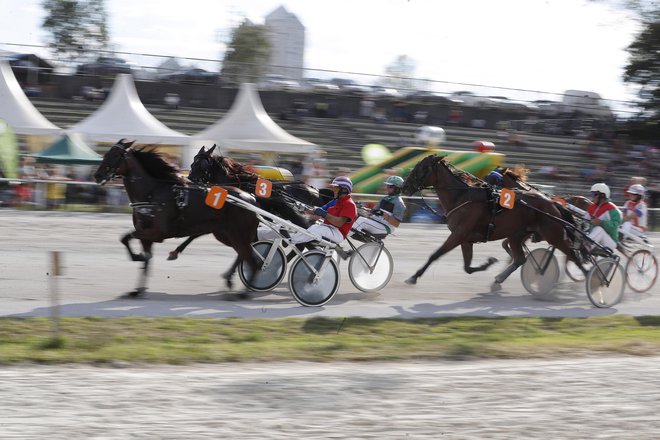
(473, 217)
(208, 169)
(164, 208)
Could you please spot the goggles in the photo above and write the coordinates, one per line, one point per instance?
(595, 193)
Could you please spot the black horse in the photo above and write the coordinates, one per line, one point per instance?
(473, 216)
(163, 207)
(208, 169)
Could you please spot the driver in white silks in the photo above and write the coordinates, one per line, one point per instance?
(387, 215)
(604, 217)
(635, 212)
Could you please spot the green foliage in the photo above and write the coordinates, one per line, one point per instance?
(77, 28)
(643, 67)
(247, 54)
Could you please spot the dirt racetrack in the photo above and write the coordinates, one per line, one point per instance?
(97, 273)
(605, 398)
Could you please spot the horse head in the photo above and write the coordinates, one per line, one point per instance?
(113, 162)
(201, 170)
(421, 176)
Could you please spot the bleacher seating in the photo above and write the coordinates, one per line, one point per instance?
(343, 138)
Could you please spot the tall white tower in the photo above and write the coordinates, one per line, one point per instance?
(287, 39)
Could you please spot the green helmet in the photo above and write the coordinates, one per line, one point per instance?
(394, 181)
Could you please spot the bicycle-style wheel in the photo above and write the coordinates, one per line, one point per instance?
(270, 271)
(605, 283)
(641, 270)
(573, 271)
(305, 287)
(540, 273)
(370, 267)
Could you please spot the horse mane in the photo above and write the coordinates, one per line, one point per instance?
(518, 172)
(156, 166)
(461, 175)
(235, 169)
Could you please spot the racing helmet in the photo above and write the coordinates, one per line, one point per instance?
(343, 182)
(394, 181)
(601, 188)
(637, 189)
(494, 178)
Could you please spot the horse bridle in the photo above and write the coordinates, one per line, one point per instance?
(206, 170)
(112, 170)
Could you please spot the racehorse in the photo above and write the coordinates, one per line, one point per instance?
(473, 216)
(164, 208)
(208, 169)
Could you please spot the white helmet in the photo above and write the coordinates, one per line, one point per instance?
(636, 189)
(601, 188)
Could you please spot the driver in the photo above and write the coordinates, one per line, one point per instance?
(387, 215)
(604, 217)
(635, 212)
(494, 179)
(338, 217)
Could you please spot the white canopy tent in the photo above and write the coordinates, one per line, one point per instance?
(247, 127)
(123, 115)
(17, 110)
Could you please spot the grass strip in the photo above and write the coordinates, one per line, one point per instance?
(194, 340)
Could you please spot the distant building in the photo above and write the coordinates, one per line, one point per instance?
(287, 38)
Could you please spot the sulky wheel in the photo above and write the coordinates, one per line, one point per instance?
(370, 267)
(573, 271)
(641, 270)
(271, 262)
(605, 283)
(305, 287)
(540, 273)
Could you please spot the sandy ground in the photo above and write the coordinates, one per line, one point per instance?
(97, 273)
(604, 398)
(610, 398)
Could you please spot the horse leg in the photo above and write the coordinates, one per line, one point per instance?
(173, 255)
(229, 274)
(142, 282)
(518, 259)
(125, 240)
(467, 259)
(452, 241)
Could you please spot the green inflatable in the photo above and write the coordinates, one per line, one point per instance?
(369, 179)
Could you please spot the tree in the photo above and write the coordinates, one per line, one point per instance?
(399, 74)
(77, 27)
(247, 53)
(643, 68)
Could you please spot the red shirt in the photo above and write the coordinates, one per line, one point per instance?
(343, 207)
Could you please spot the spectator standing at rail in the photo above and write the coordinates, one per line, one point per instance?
(387, 215)
(604, 217)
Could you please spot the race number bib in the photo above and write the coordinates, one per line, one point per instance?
(264, 188)
(216, 197)
(507, 198)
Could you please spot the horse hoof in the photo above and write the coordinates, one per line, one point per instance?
(137, 293)
(411, 281)
(492, 260)
(495, 287)
(173, 256)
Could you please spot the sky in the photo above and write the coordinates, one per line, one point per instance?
(543, 46)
